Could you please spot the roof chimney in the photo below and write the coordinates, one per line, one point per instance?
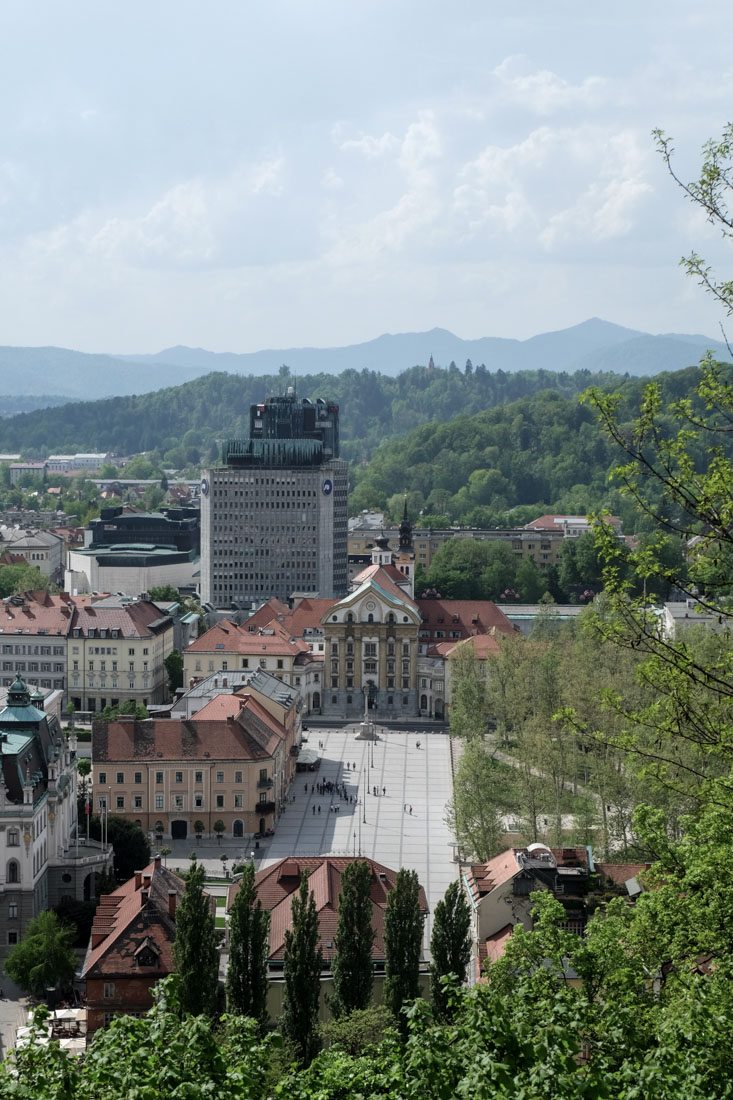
(157, 861)
(172, 896)
(138, 879)
(144, 894)
(146, 881)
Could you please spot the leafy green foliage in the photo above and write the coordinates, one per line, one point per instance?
(44, 958)
(194, 950)
(352, 964)
(303, 961)
(403, 933)
(249, 925)
(174, 667)
(450, 946)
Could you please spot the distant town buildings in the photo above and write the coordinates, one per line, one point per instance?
(274, 514)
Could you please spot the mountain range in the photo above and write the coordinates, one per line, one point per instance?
(594, 345)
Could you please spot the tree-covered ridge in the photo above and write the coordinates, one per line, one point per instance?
(374, 407)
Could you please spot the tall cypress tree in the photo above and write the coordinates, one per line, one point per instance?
(195, 952)
(249, 925)
(352, 964)
(303, 961)
(403, 932)
(450, 944)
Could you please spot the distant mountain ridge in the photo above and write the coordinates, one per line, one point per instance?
(593, 345)
(579, 347)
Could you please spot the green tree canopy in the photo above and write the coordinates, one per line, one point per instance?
(195, 953)
(450, 945)
(44, 958)
(403, 933)
(303, 961)
(249, 924)
(352, 965)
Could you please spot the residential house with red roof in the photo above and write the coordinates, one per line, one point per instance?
(131, 945)
(232, 763)
(276, 887)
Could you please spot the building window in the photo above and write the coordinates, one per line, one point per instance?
(220, 777)
(178, 802)
(158, 777)
(13, 911)
(159, 801)
(120, 802)
(198, 777)
(13, 874)
(198, 801)
(12, 938)
(13, 838)
(109, 990)
(103, 802)
(179, 777)
(238, 802)
(120, 777)
(138, 802)
(238, 776)
(103, 778)
(220, 802)
(138, 777)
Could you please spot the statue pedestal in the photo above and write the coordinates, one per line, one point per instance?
(366, 732)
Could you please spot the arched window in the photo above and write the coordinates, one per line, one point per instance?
(13, 838)
(349, 618)
(390, 617)
(370, 618)
(237, 829)
(13, 874)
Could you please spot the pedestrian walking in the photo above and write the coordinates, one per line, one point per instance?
(404, 808)
(306, 788)
(314, 811)
(410, 811)
(319, 809)
(384, 790)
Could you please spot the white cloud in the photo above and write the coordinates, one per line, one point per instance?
(543, 91)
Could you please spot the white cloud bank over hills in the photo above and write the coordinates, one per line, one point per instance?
(240, 178)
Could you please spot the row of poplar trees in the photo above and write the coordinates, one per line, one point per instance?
(197, 964)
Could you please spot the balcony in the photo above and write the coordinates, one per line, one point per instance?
(264, 808)
(264, 784)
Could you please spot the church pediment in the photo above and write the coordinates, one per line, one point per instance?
(372, 603)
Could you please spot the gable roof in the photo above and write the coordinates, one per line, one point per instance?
(229, 637)
(277, 885)
(467, 616)
(125, 922)
(239, 729)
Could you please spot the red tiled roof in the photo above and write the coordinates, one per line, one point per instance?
(621, 872)
(134, 620)
(124, 922)
(276, 886)
(228, 637)
(40, 611)
(252, 734)
(468, 616)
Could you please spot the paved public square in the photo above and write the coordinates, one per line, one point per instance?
(378, 826)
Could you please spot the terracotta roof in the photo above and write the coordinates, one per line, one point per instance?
(228, 637)
(483, 646)
(493, 946)
(40, 611)
(254, 734)
(468, 616)
(124, 922)
(621, 872)
(138, 619)
(276, 886)
(387, 578)
(495, 872)
(269, 611)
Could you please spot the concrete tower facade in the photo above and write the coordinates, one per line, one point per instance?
(274, 513)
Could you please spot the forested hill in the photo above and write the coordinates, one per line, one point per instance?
(374, 408)
(542, 452)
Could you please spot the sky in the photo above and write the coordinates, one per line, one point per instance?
(240, 175)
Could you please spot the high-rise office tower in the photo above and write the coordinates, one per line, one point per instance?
(274, 514)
